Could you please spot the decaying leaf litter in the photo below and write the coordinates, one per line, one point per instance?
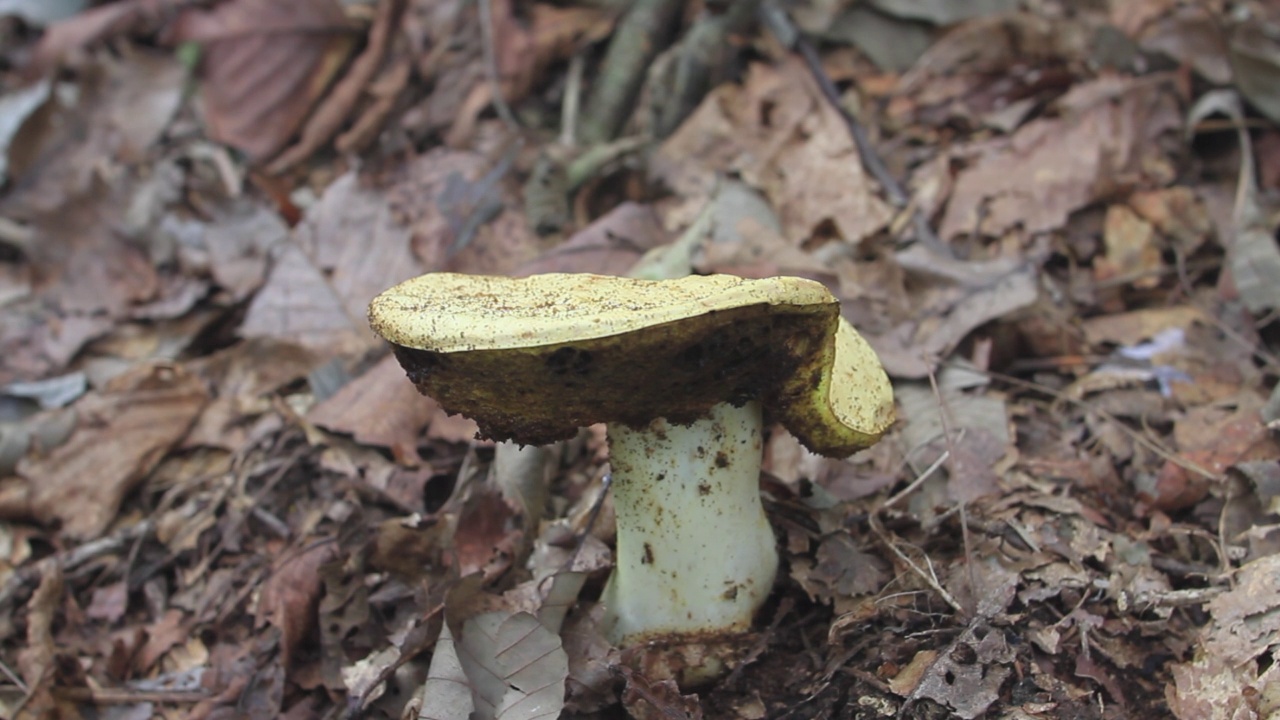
(1055, 222)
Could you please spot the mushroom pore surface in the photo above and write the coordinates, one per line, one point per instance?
(534, 359)
(676, 370)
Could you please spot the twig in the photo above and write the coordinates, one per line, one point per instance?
(640, 36)
(124, 696)
(72, 559)
(928, 472)
(1148, 599)
(491, 66)
(929, 578)
(1134, 435)
(606, 482)
(572, 101)
(13, 678)
(944, 414)
(786, 33)
(785, 606)
(586, 165)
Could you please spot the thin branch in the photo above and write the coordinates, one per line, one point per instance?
(786, 32)
(74, 558)
(491, 66)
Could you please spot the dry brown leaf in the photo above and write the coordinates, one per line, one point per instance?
(516, 666)
(95, 25)
(114, 112)
(645, 699)
(298, 305)
(590, 685)
(170, 631)
(1187, 32)
(239, 242)
(244, 374)
(344, 615)
(608, 246)
(379, 408)
(526, 46)
(461, 215)
(1106, 137)
(1124, 329)
(354, 236)
(991, 71)
(909, 677)
(264, 65)
(1212, 439)
(1178, 213)
(1131, 250)
(486, 536)
(1254, 54)
(954, 298)
(967, 681)
(1245, 620)
(842, 569)
(36, 661)
(290, 598)
(109, 602)
(1208, 688)
(785, 139)
(125, 429)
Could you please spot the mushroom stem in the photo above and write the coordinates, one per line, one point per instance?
(695, 553)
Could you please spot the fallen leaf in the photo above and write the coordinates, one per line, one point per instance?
(240, 241)
(645, 699)
(1245, 620)
(95, 25)
(1052, 167)
(290, 599)
(164, 634)
(1190, 34)
(486, 537)
(36, 660)
(125, 429)
(109, 603)
(1131, 250)
(264, 65)
(379, 408)
(297, 304)
(1129, 327)
(338, 104)
(608, 246)
(1209, 688)
(447, 693)
(939, 12)
(1255, 61)
(967, 687)
(959, 296)
(782, 136)
(516, 666)
(842, 569)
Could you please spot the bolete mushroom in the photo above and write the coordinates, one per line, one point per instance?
(680, 370)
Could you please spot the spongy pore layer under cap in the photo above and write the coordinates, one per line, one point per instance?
(533, 359)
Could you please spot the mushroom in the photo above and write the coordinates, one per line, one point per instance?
(682, 371)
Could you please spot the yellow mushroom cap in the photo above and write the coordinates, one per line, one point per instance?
(533, 359)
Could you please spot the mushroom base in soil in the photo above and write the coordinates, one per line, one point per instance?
(681, 371)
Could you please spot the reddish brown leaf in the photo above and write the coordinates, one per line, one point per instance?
(264, 66)
(379, 408)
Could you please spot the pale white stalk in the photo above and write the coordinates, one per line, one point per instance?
(695, 554)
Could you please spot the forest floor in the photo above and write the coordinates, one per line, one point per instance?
(1054, 221)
